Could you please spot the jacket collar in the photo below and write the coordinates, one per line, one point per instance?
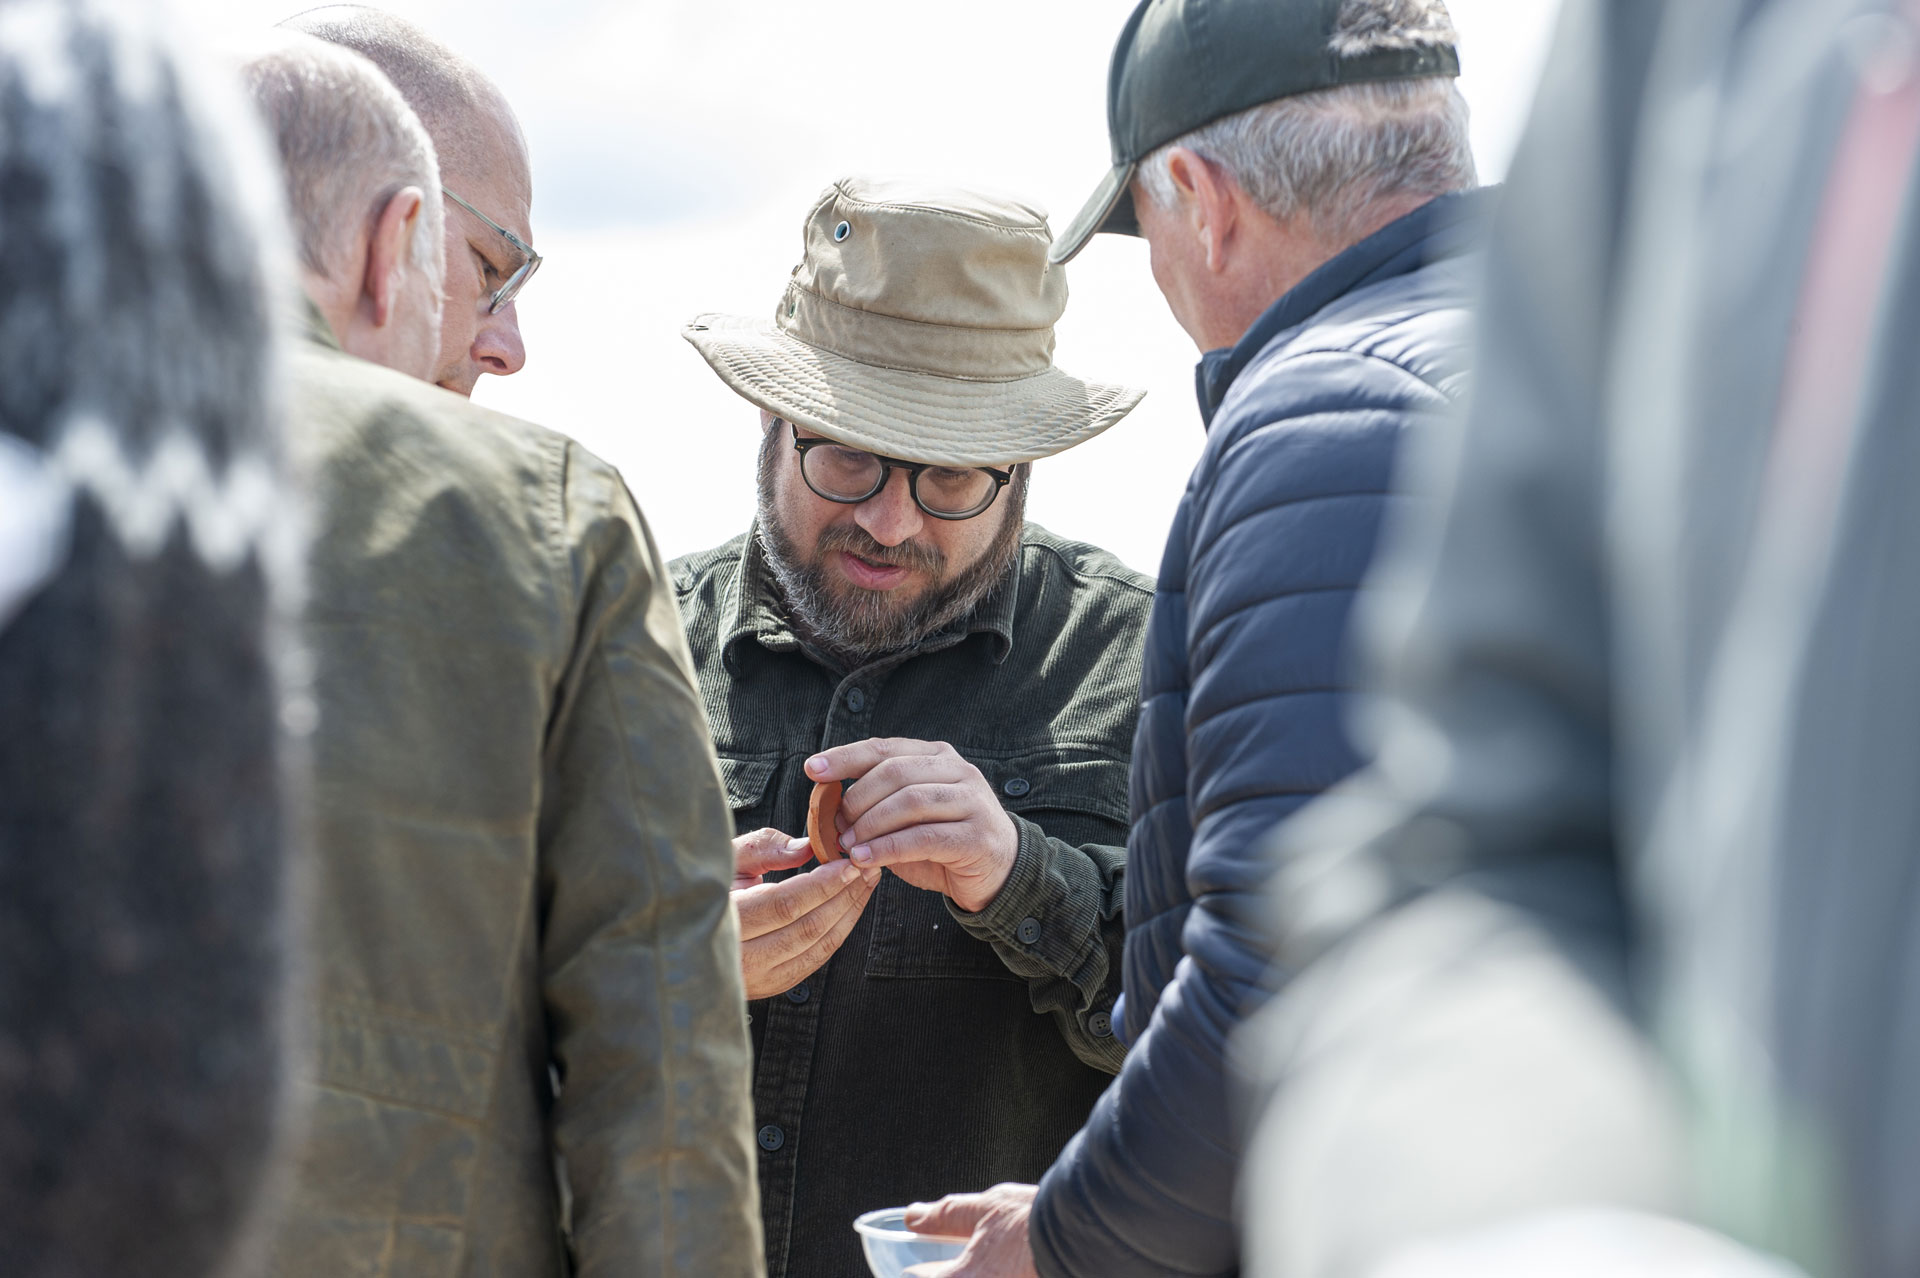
(1438, 229)
(313, 325)
(757, 612)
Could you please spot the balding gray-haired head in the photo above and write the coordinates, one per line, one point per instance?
(483, 162)
(348, 143)
(458, 105)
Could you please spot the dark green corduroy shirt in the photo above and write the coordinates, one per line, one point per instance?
(937, 1050)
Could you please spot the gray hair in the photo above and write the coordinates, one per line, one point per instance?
(1333, 153)
(348, 143)
(446, 91)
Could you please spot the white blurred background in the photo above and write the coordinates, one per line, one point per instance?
(678, 143)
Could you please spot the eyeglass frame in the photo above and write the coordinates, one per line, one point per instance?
(1001, 478)
(516, 281)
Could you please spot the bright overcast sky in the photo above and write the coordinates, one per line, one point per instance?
(677, 145)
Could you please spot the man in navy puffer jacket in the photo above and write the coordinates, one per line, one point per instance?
(1313, 151)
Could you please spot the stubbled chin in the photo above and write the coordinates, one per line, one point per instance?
(460, 377)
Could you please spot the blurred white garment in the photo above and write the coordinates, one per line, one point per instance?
(1591, 1243)
(35, 505)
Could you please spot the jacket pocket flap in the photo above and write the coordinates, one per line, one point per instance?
(1053, 781)
(915, 936)
(746, 777)
(402, 1061)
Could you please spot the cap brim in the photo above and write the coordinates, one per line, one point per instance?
(947, 421)
(1110, 209)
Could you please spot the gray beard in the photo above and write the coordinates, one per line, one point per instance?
(856, 626)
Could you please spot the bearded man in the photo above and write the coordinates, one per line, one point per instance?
(891, 621)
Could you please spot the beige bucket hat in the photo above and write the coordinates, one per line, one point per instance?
(918, 325)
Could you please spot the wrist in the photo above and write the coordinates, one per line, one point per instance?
(1019, 893)
(1004, 856)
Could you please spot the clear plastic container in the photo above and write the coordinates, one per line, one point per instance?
(892, 1248)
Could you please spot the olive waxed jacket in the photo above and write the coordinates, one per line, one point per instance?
(521, 865)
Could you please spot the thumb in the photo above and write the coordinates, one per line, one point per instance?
(954, 1216)
(763, 851)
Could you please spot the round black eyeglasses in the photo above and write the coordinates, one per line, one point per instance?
(850, 476)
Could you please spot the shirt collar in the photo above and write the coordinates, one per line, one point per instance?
(1438, 229)
(994, 615)
(754, 612)
(313, 325)
(757, 612)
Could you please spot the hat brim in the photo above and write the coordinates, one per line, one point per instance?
(922, 417)
(1109, 209)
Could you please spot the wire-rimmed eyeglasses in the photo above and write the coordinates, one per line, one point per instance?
(516, 281)
(850, 476)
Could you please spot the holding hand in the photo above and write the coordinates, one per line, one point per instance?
(994, 1225)
(924, 811)
(789, 929)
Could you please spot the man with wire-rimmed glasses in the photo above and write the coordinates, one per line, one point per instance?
(519, 961)
(511, 279)
(891, 621)
(488, 184)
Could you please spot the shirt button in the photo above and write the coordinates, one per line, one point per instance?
(799, 993)
(1017, 787)
(856, 701)
(1029, 931)
(772, 1138)
(1101, 1023)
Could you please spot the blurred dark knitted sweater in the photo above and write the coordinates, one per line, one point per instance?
(147, 553)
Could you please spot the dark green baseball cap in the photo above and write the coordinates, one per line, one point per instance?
(1184, 63)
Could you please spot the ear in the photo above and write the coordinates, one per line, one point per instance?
(389, 252)
(1207, 195)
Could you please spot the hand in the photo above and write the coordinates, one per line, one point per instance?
(994, 1225)
(788, 929)
(920, 808)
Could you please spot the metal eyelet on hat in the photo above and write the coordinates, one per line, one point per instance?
(842, 231)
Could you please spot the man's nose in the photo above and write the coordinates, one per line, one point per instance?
(497, 347)
(890, 515)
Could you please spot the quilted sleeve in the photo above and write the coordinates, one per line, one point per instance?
(1278, 530)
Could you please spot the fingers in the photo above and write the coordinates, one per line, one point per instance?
(774, 965)
(843, 763)
(954, 1216)
(769, 907)
(907, 772)
(764, 851)
(994, 1225)
(933, 803)
(944, 842)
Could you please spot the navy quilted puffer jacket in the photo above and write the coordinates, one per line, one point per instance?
(1242, 717)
